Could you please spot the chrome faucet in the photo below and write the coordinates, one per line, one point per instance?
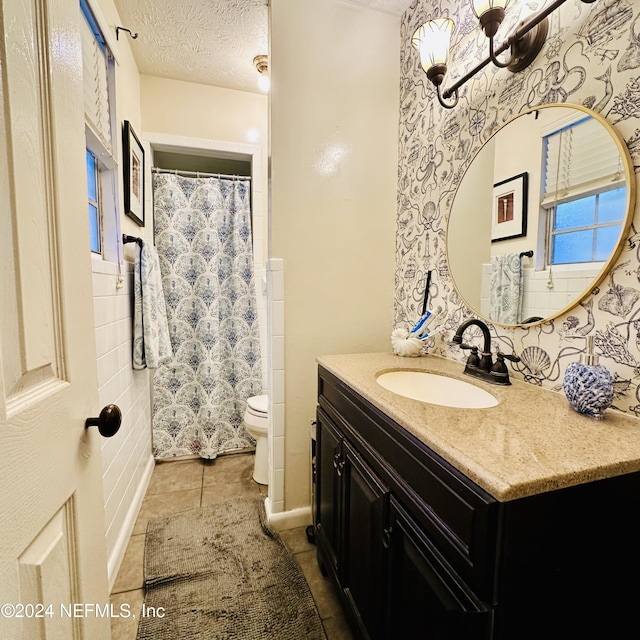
(482, 366)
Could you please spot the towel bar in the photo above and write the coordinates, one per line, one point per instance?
(126, 239)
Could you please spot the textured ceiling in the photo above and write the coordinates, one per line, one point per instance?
(208, 41)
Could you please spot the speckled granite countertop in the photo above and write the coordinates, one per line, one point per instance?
(531, 442)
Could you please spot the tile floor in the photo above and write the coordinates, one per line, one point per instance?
(178, 486)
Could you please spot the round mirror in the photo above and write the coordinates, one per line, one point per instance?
(540, 215)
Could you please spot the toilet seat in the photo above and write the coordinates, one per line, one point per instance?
(256, 421)
(258, 405)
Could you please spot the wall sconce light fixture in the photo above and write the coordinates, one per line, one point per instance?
(261, 63)
(432, 42)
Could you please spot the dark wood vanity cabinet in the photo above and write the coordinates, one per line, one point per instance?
(382, 543)
(351, 512)
(418, 550)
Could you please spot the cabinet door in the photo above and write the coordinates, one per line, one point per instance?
(328, 490)
(363, 573)
(426, 598)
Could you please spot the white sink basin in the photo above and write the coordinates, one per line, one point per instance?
(436, 389)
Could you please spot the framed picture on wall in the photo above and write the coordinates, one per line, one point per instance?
(509, 215)
(133, 167)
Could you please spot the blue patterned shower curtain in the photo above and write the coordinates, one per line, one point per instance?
(203, 237)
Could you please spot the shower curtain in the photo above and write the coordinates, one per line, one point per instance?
(203, 237)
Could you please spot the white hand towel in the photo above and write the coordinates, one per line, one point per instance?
(151, 342)
(505, 298)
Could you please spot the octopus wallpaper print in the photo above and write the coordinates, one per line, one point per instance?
(591, 58)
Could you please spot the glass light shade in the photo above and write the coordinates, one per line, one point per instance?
(264, 82)
(432, 41)
(261, 63)
(482, 6)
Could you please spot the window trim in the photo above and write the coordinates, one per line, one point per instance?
(107, 164)
(97, 202)
(97, 20)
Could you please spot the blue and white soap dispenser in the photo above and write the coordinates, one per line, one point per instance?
(588, 385)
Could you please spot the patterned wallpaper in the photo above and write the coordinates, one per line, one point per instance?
(592, 58)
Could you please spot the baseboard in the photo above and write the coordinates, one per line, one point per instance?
(291, 519)
(117, 555)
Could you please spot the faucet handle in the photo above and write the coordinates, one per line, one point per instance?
(473, 360)
(499, 371)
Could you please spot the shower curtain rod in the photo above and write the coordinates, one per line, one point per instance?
(199, 174)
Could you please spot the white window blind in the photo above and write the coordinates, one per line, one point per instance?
(95, 58)
(580, 159)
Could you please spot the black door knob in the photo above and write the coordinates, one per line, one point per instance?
(108, 422)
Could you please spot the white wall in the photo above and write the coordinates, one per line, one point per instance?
(469, 226)
(127, 462)
(126, 457)
(334, 138)
(545, 292)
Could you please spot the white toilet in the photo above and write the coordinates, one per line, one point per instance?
(256, 421)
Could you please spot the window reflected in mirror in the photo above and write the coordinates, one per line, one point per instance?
(584, 193)
(587, 229)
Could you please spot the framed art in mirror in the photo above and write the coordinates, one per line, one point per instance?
(509, 218)
(133, 167)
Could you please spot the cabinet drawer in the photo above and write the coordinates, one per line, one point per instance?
(458, 516)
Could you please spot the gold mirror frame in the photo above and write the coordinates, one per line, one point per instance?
(630, 210)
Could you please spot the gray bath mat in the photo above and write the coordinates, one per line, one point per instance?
(219, 573)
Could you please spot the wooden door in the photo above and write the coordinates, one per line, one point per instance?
(53, 576)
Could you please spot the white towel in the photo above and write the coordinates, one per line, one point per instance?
(505, 297)
(151, 342)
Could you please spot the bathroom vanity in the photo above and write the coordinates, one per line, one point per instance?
(513, 522)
